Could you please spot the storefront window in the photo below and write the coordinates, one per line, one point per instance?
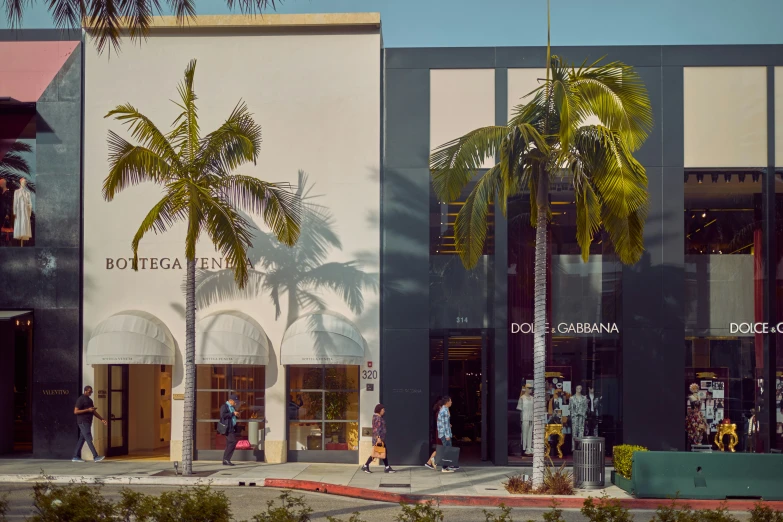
(17, 176)
(214, 384)
(723, 291)
(578, 293)
(323, 408)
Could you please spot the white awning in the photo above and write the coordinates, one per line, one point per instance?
(322, 338)
(231, 337)
(131, 337)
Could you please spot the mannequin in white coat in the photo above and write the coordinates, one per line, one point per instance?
(525, 406)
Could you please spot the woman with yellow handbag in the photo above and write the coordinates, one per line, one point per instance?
(378, 441)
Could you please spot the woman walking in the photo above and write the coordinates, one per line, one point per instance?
(443, 436)
(379, 434)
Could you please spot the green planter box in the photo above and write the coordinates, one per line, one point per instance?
(622, 482)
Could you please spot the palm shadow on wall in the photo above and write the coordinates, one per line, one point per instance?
(301, 272)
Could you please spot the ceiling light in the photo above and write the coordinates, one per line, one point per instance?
(741, 177)
(727, 177)
(700, 178)
(704, 214)
(755, 176)
(715, 177)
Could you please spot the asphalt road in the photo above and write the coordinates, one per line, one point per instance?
(247, 502)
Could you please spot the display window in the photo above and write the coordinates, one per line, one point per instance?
(214, 384)
(17, 176)
(323, 408)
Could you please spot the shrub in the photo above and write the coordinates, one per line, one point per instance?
(673, 513)
(72, 502)
(557, 481)
(555, 514)
(3, 506)
(605, 510)
(292, 509)
(762, 513)
(354, 518)
(622, 456)
(720, 514)
(518, 485)
(504, 516)
(419, 513)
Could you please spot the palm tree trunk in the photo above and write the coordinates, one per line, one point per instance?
(190, 368)
(539, 332)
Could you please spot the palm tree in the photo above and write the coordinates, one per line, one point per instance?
(300, 272)
(14, 165)
(548, 136)
(199, 189)
(106, 19)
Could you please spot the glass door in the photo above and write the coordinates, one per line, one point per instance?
(118, 410)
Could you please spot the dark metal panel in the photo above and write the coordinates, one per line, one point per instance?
(498, 388)
(39, 35)
(441, 58)
(672, 236)
(721, 55)
(405, 394)
(638, 56)
(650, 155)
(407, 118)
(672, 117)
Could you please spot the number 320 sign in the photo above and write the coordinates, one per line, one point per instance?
(369, 374)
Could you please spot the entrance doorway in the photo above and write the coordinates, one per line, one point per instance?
(136, 399)
(458, 368)
(16, 352)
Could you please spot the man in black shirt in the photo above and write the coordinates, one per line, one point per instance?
(84, 411)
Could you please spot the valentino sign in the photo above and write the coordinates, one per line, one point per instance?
(168, 263)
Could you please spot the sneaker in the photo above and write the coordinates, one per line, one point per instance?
(366, 469)
(447, 470)
(77, 459)
(428, 465)
(389, 470)
(98, 459)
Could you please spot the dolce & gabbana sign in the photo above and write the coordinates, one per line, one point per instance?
(168, 263)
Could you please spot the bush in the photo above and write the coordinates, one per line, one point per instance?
(292, 509)
(762, 513)
(419, 513)
(555, 514)
(504, 516)
(72, 502)
(605, 510)
(193, 504)
(557, 481)
(672, 513)
(518, 485)
(622, 457)
(715, 515)
(3, 506)
(354, 518)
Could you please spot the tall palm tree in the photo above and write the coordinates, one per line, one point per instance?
(546, 136)
(199, 189)
(299, 272)
(108, 18)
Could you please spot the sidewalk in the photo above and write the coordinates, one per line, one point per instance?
(470, 486)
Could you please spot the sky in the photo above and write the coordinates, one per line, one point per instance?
(486, 23)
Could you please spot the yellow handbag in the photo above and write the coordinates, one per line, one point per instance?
(379, 450)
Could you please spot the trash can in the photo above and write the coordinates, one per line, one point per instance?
(589, 466)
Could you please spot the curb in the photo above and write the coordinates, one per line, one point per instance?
(520, 501)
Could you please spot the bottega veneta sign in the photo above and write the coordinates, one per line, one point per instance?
(168, 263)
(567, 328)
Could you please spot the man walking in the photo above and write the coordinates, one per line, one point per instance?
(228, 417)
(85, 410)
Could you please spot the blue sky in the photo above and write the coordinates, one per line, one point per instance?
(457, 23)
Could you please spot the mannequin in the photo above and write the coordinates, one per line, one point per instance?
(694, 422)
(593, 411)
(525, 406)
(578, 415)
(23, 209)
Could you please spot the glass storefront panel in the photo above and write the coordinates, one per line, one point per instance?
(214, 384)
(323, 408)
(578, 357)
(723, 291)
(17, 176)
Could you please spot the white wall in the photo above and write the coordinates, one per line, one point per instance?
(317, 98)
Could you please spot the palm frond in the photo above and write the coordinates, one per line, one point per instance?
(183, 10)
(615, 93)
(588, 217)
(185, 136)
(621, 184)
(14, 166)
(130, 165)
(280, 208)
(14, 11)
(230, 233)
(103, 17)
(162, 216)
(470, 226)
(237, 141)
(454, 164)
(143, 130)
